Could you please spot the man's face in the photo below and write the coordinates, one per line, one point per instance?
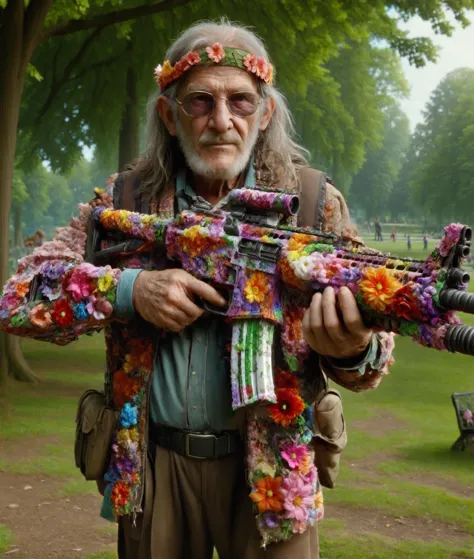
(218, 145)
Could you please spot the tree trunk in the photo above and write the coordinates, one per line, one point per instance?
(18, 37)
(129, 139)
(18, 226)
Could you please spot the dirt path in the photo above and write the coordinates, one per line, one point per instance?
(47, 525)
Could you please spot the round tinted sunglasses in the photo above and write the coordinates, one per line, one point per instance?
(201, 103)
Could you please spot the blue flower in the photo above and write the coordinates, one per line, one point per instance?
(80, 311)
(129, 416)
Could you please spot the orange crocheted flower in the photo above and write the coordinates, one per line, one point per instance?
(289, 406)
(22, 288)
(268, 496)
(378, 287)
(40, 316)
(256, 288)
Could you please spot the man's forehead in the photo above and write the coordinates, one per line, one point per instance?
(218, 79)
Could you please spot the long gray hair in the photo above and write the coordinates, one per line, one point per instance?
(277, 154)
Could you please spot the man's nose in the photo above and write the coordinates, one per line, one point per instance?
(220, 118)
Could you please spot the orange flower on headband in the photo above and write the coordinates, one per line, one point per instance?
(215, 53)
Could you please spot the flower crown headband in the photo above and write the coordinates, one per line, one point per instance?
(215, 54)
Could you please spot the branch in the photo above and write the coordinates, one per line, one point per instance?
(111, 18)
(107, 62)
(56, 85)
(34, 20)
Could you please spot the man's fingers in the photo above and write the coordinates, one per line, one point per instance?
(332, 324)
(350, 312)
(317, 321)
(206, 291)
(191, 310)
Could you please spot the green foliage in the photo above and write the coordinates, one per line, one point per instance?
(328, 58)
(443, 180)
(372, 186)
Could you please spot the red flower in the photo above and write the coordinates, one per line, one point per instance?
(285, 379)
(120, 494)
(62, 313)
(404, 304)
(289, 405)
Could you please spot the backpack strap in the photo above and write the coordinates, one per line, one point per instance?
(312, 190)
(127, 195)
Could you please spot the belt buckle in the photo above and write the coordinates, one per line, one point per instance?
(188, 435)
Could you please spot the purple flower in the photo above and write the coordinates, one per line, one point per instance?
(270, 519)
(52, 271)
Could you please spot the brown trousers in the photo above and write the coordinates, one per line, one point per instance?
(196, 505)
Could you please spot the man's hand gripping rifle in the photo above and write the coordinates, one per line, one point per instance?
(242, 251)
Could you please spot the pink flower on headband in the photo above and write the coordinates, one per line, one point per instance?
(259, 66)
(215, 53)
(250, 62)
(192, 58)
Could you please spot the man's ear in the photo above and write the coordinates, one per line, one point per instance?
(268, 112)
(165, 110)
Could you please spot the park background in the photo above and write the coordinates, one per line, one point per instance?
(383, 97)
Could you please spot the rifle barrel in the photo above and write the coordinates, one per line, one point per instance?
(460, 339)
(457, 300)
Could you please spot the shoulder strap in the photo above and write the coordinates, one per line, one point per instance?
(312, 197)
(127, 195)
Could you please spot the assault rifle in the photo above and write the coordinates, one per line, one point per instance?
(243, 251)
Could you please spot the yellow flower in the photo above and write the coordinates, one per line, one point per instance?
(166, 70)
(319, 500)
(378, 287)
(105, 283)
(256, 287)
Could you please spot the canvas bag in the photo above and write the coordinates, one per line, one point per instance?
(95, 424)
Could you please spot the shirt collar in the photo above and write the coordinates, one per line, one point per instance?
(184, 187)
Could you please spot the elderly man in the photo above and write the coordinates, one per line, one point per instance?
(188, 474)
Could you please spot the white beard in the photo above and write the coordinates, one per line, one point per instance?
(202, 168)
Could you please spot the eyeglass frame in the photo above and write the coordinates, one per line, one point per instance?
(226, 99)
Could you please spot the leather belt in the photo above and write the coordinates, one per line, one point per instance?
(195, 445)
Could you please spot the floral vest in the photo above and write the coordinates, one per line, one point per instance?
(282, 476)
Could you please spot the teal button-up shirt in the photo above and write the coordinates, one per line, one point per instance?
(191, 381)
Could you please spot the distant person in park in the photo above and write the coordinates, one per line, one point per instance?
(425, 242)
(393, 234)
(378, 230)
(408, 242)
(186, 473)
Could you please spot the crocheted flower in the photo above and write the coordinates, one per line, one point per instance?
(99, 307)
(105, 283)
(294, 454)
(129, 416)
(120, 494)
(256, 288)
(289, 405)
(40, 316)
(125, 387)
(62, 313)
(269, 519)
(80, 311)
(284, 379)
(22, 288)
(215, 53)
(378, 287)
(250, 62)
(79, 284)
(267, 495)
(405, 304)
(451, 236)
(298, 497)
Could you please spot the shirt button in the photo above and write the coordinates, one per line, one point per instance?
(194, 373)
(194, 407)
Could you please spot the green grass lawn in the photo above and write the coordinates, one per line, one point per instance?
(416, 394)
